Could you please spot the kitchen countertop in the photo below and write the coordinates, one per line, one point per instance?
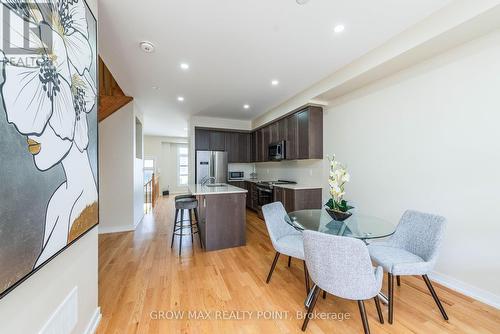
(198, 189)
(298, 186)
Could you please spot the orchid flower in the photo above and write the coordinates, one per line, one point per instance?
(40, 94)
(84, 100)
(68, 19)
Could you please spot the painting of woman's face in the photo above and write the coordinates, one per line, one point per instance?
(47, 149)
(48, 122)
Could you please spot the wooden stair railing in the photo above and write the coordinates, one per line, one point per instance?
(151, 193)
(111, 96)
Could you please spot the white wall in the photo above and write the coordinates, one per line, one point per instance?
(138, 169)
(164, 151)
(28, 307)
(427, 138)
(121, 180)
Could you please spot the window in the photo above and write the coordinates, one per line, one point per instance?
(182, 165)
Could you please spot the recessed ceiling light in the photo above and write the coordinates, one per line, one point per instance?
(246, 106)
(185, 66)
(180, 98)
(302, 2)
(147, 47)
(338, 28)
(156, 87)
(275, 82)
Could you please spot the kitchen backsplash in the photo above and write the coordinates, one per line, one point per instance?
(246, 168)
(307, 172)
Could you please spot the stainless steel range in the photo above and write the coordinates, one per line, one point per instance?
(265, 192)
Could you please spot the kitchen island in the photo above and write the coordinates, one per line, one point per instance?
(222, 215)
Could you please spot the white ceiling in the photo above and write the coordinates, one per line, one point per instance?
(235, 48)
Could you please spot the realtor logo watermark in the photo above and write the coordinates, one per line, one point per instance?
(25, 32)
(220, 315)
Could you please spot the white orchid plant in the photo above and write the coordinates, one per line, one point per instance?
(337, 180)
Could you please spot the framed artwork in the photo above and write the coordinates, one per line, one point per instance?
(48, 132)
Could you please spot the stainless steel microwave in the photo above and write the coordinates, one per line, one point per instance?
(277, 151)
(236, 175)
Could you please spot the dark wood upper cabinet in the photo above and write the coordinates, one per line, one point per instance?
(217, 140)
(253, 147)
(238, 145)
(291, 137)
(302, 132)
(244, 147)
(259, 144)
(310, 133)
(266, 140)
(232, 146)
(202, 139)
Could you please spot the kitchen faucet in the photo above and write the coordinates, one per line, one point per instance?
(207, 179)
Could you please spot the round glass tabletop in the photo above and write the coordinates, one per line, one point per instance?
(357, 226)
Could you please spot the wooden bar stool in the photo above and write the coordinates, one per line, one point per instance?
(189, 204)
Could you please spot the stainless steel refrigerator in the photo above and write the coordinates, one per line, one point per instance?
(211, 164)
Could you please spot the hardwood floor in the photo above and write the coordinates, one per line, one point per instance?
(140, 277)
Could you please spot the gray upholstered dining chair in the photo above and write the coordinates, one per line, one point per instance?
(412, 250)
(341, 266)
(285, 239)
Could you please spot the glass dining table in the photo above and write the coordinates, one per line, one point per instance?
(356, 226)
(359, 226)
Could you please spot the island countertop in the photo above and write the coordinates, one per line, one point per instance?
(199, 190)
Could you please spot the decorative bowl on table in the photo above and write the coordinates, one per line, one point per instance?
(338, 215)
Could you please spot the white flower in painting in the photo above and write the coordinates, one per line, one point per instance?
(84, 100)
(38, 95)
(28, 10)
(68, 18)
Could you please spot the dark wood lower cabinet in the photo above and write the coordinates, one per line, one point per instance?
(252, 195)
(239, 184)
(298, 199)
(292, 199)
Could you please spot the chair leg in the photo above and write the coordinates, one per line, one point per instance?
(306, 277)
(398, 280)
(379, 310)
(181, 230)
(390, 283)
(175, 226)
(191, 224)
(276, 257)
(289, 261)
(364, 319)
(435, 296)
(311, 307)
(324, 294)
(198, 225)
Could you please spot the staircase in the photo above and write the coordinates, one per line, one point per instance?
(111, 96)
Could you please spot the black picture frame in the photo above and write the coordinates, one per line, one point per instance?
(35, 270)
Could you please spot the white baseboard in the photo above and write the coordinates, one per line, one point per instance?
(115, 229)
(118, 229)
(94, 322)
(467, 289)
